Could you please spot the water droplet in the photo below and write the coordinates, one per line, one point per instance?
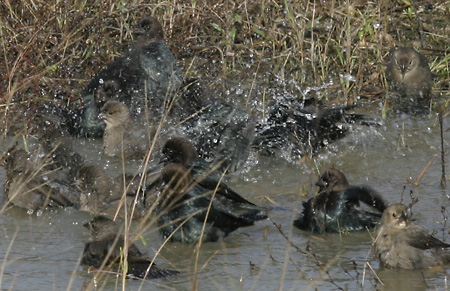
(377, 26)
(347, 77)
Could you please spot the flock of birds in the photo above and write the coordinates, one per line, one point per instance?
(130, 102)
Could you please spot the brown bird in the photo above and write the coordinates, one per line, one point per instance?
(105, 250)
(339, 206)
(399, 243)
(28, 184)
(122, 133)
(100, 194)
(410, 77)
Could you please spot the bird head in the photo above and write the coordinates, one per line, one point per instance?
(396, 216)
(115, 113)
(332, 180)
(179, 150)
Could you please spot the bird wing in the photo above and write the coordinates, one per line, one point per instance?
(418, 237)
(220, 215)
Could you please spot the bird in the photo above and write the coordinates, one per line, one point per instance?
(183, 208)
(208, 176)
(29, 185)
(103, 195)
(122, 133)
(339, 207)
(104, 250)
(410, 77)
(144, 76)
(157, 60)
(295, 128)
(399, 243)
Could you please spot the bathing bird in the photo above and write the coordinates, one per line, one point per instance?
(340, 207)
(399, 243)
(410, 77)
(105, 250)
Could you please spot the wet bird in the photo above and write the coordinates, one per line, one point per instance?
(208, 176)
(147, 75)
(399, 243)
(183, 208)
(104, 250)
(340, 207)
(410, 77)
(295, 128)
(122, 133)
(101, 194)
(28, 184)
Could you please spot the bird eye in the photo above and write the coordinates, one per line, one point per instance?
(394, 215)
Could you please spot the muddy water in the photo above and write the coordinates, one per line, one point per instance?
(43, 252)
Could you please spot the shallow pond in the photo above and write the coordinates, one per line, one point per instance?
(42, 252)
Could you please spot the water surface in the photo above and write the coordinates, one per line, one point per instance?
(42, 252)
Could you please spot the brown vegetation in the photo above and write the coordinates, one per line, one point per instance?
(52, 48)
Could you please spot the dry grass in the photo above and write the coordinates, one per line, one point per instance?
(52, 48)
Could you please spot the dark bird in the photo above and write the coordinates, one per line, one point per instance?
(399, 243)
(29, 185)
(339, 206)
(104, 250)
(189, 213)
(101, 194)
(410, 77)
(295, 128)
(122, 133)
(147, 75)
(208, 176)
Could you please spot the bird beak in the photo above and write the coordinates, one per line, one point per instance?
(322, 184)
(403, 69)
(403, 219)
(87, 225)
